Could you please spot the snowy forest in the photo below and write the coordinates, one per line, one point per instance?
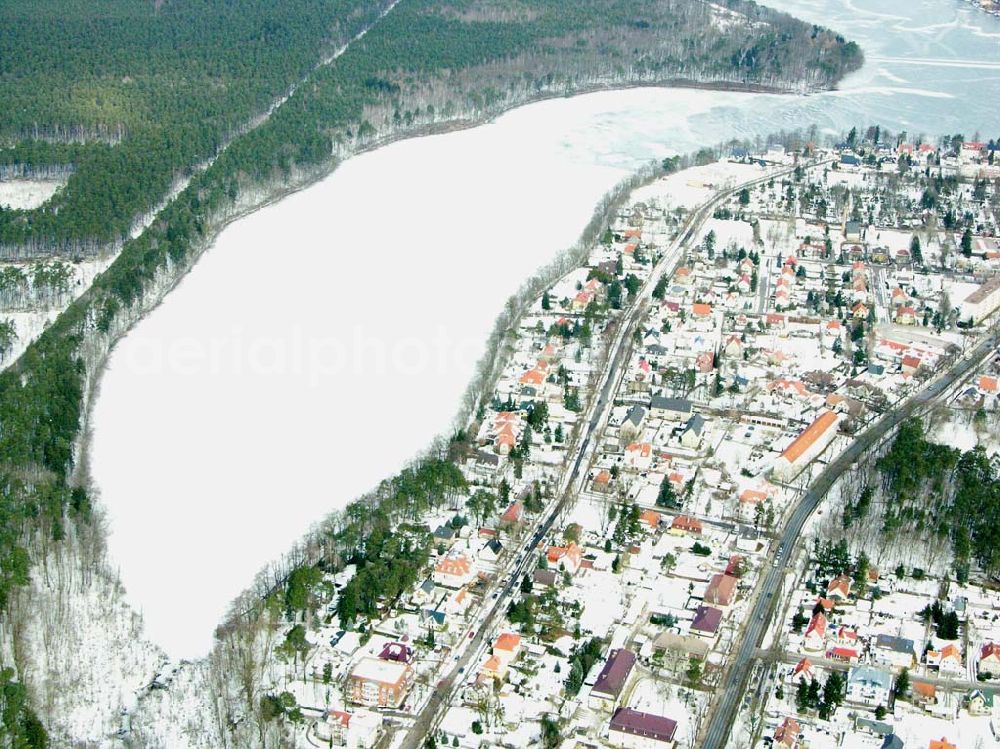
(134, 98)
(154, 91)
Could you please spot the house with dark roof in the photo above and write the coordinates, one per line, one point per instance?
(706, 621)
(693, 431)
(613, 678)
(672, 409)
(631, 729)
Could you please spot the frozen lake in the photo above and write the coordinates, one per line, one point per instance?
(325, 340)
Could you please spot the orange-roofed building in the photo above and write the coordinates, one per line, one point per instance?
(602, 481)
(826, 603)
(494, 668)
(910, 364)
(508, 642)
(721, 590)
(513, 514)
(788, 387)
(941, 743)
(807, 446)
(803, 671)
(752, 496)
(453, 571)
(924, 692)
(639, 455)
(701, 310)
(568, 558)
(650, 518)
(839, 588)
(787, 734)
(906, 315)
(533, 377)
(988, 384)
(683, 524)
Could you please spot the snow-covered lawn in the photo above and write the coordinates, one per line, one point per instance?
(27, 193)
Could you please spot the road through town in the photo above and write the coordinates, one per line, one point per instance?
(728, 700)
(523, 560)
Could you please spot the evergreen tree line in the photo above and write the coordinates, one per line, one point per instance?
(178, 82)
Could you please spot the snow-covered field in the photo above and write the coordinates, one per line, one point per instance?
(326, 339)
(27, 193)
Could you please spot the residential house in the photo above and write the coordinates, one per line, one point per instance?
(706, 621)
(803, 671)
(631, 729)
(568, 558)
(651, 518)
(867, 685)
(632, 426)
(923, 694)
(513, 515)
(989, 659)
(639, 456)
(454, 571)
(898, 652)
(379, 683)
(685, 524)
(941, 743)
(357, 730)
(948, 660)
(839, 588)
(491, 551)
(814, 639)
(613, 678)
(694, 431)
(721, 590)
(786, 735)
(602, 482)
(548, 578)
(506, 648)
(910, 364)
(981, 702)
(671, 409)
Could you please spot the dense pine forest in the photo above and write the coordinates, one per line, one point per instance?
(130, 96)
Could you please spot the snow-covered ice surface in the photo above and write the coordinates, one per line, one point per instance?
(324, 340)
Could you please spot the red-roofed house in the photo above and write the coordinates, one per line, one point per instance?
(453, 571)
(639, 455)
(906, 315)
(568, 558)
(839, 588)
(989, 658)
(787, 734)
(721, 590)
(803, 671)
(650, 518)
(513, 514)
(684, 524)
(814, 639)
